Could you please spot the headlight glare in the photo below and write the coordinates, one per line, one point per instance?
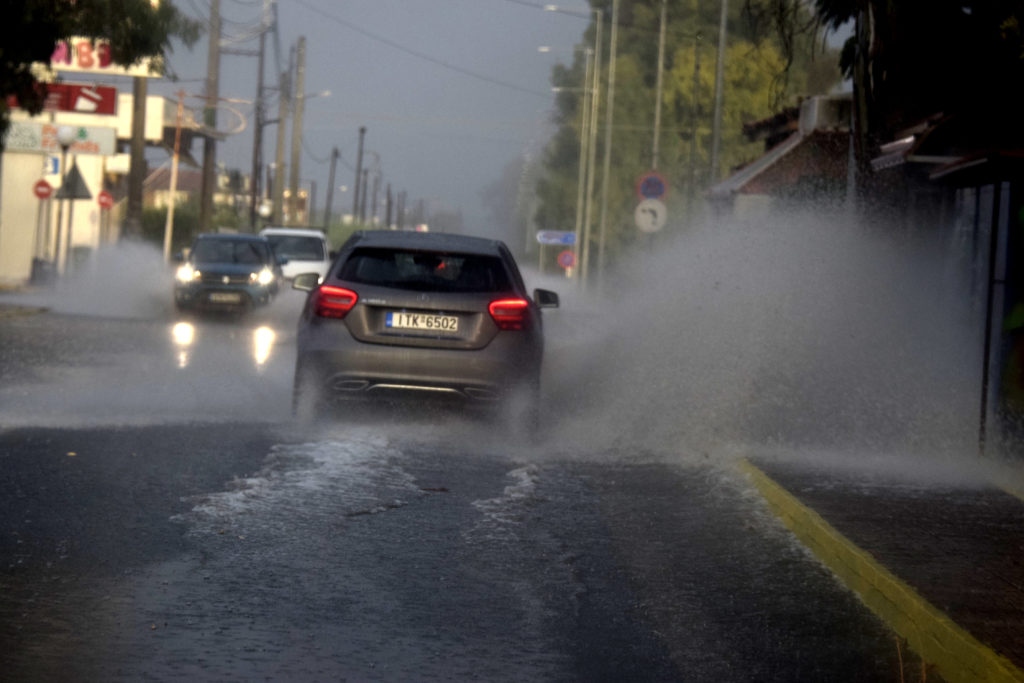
(264, 277)
(187, 273)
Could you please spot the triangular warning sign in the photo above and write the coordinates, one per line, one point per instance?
(74, 186)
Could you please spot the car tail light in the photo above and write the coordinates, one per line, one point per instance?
(334, 302)
(509, 314)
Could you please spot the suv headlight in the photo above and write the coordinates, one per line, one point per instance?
(187, 273)
(264, 277)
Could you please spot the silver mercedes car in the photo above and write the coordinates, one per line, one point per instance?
(408, 315)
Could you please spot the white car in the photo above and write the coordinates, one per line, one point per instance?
(306, 250)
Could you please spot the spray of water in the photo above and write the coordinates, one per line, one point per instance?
(789, 332)
(127, 280)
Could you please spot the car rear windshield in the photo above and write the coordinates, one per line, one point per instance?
(297, 247)
(426, 271)
(229, 251)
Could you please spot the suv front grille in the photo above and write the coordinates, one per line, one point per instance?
(219, 279)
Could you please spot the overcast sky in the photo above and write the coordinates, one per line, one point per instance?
(450, 91)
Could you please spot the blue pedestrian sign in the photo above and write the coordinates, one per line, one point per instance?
(651, 185)
(556, 237)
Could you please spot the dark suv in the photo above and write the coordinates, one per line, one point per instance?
(407, 314)
(227, 272)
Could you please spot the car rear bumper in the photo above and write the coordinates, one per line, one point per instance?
(347, 368)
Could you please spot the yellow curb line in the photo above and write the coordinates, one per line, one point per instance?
(956, 654)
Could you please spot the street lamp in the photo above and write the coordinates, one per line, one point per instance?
(583, 249)
(300, 100)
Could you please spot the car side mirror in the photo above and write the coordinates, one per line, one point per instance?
(282, 260)
(306, 282)
(545, 298)
(179, 257)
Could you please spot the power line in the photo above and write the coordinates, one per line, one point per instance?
(420, 55)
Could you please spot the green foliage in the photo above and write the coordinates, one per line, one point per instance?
(764, 73)
(31, 28)
(186, 224)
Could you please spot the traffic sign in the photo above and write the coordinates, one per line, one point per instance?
(556, 237)
(42, 189)
(105, 199)
(567, 258)
(651, 185)
(650, 215)
(74, 186)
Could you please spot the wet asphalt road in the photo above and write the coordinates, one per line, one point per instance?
(161, 518)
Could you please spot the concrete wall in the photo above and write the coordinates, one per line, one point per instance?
(23, 235)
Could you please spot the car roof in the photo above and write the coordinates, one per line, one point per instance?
(432, 241)
(234, 237)
(302, 232)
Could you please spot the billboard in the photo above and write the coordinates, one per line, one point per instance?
(93, 55)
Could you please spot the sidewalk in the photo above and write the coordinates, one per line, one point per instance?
(942, 564)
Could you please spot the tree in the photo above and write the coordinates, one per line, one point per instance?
(762, 77)
(31, 29)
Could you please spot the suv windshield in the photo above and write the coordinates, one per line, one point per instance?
(426, 271)
(297, 247)
(229, 251)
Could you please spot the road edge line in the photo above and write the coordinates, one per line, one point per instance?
(957, 655)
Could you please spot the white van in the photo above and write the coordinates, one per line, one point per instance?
(306, 250)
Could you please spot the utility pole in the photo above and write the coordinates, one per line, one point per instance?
(210, 119)
(373, 202)
(137, 165)
(362, 201)
(258, 122)
(330, 190)
(173, 187)
(359, 174)
(300, 88)
(607, 144)
(284, 88)
(658, 86)
(691, 192)
(388, 208)
(716, 121)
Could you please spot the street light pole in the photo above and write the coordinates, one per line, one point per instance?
(584, 157)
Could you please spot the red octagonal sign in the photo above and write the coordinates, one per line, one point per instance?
(42, 189)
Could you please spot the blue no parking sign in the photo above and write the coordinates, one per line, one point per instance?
(651, 185)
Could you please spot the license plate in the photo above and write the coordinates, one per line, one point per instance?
(225, 297)
(422, 321)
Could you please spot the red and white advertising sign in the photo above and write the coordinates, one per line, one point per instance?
(105, 199)
(82, 99)
(88, 55)
(42, 189)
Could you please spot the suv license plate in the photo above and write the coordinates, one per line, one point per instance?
(225, 297)
(422, 321)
